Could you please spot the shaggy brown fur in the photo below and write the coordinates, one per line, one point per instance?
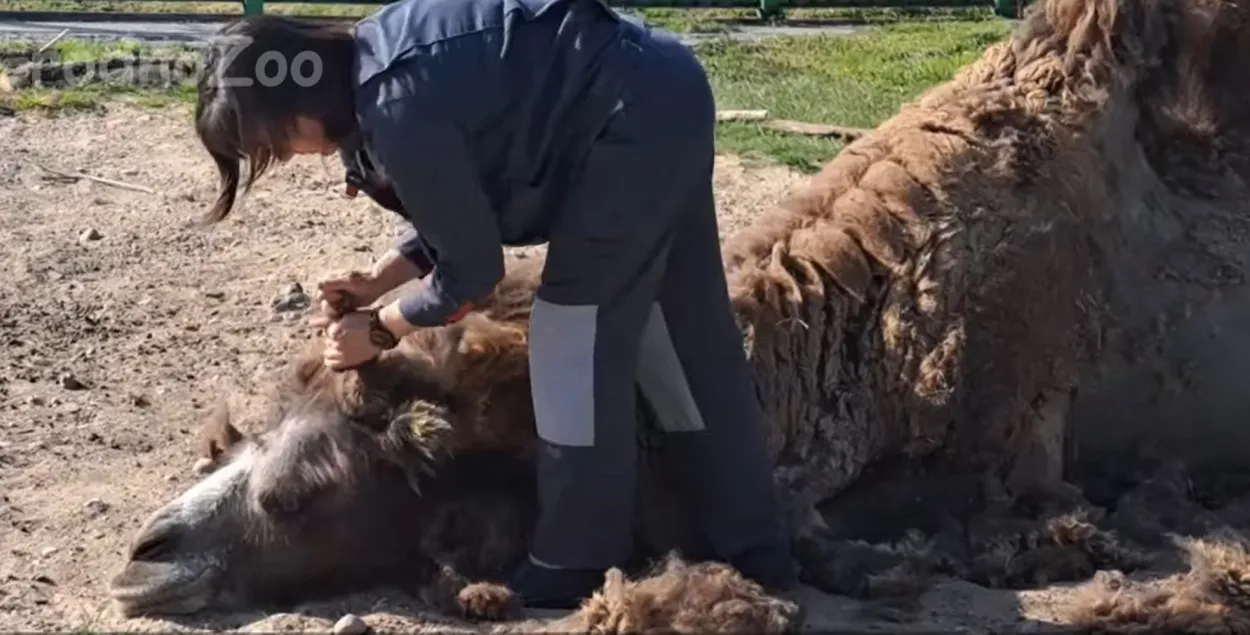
(1063, 548)
(1212, 597)
(681, 598)
(925, 308)
(475, 371)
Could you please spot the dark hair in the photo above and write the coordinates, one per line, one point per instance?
(239, 116)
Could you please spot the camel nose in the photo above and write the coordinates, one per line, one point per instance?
(157, 541)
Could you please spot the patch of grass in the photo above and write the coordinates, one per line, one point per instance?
(706, 20)
(224, 9)
(722, 20)
(91, 95)
(50, 101)
(53, 100)
(852, 80)
(855, 80)
(83, 50)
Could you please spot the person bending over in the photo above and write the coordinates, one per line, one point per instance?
(520, 122)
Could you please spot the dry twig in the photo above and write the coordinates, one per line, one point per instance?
(79, 175)
(816, 129)
(53, 41)
(788, 126)
(741, 115)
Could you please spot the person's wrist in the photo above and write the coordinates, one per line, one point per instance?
(375, 287)
(390, 318)
(391, 272)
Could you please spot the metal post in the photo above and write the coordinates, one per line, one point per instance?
(1005, 8)
(770, 9)
(253, 7)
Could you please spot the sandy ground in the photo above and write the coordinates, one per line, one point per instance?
(120, 322)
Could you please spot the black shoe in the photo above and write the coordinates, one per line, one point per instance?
(543, 588)
(771, 567)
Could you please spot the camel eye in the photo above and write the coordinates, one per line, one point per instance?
(284, 505)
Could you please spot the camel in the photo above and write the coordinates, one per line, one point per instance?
(1018, 276)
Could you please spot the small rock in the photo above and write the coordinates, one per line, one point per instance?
(350, 625)
(69, 382)
(292, 298)
(48, 551)
(96, 506)
(216, 295)
(35, 401)
(43, 579)
(139, 401)
(89, 235)
(203, 465)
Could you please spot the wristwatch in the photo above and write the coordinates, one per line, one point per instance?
(379, 335)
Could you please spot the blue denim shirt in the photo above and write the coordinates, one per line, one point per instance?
(480, 112)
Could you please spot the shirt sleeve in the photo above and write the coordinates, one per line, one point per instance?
(416, 250)
(424, 154)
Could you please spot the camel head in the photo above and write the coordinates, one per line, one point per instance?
(339, 492)
(313, 504)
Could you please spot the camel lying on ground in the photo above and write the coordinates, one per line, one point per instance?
(1069, 212)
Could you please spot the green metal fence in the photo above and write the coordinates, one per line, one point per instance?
(766, 8)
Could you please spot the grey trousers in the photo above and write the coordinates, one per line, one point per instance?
(634, 294)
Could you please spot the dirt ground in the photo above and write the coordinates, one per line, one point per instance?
(120, 323)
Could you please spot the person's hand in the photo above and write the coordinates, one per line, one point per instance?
(341, 294)
(351, 340)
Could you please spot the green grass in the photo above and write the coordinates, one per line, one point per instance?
(856, 80)
(93, 97)
(79, 50)
(681, 20)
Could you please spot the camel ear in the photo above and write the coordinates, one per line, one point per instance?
(418, 440)
(216, 436)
